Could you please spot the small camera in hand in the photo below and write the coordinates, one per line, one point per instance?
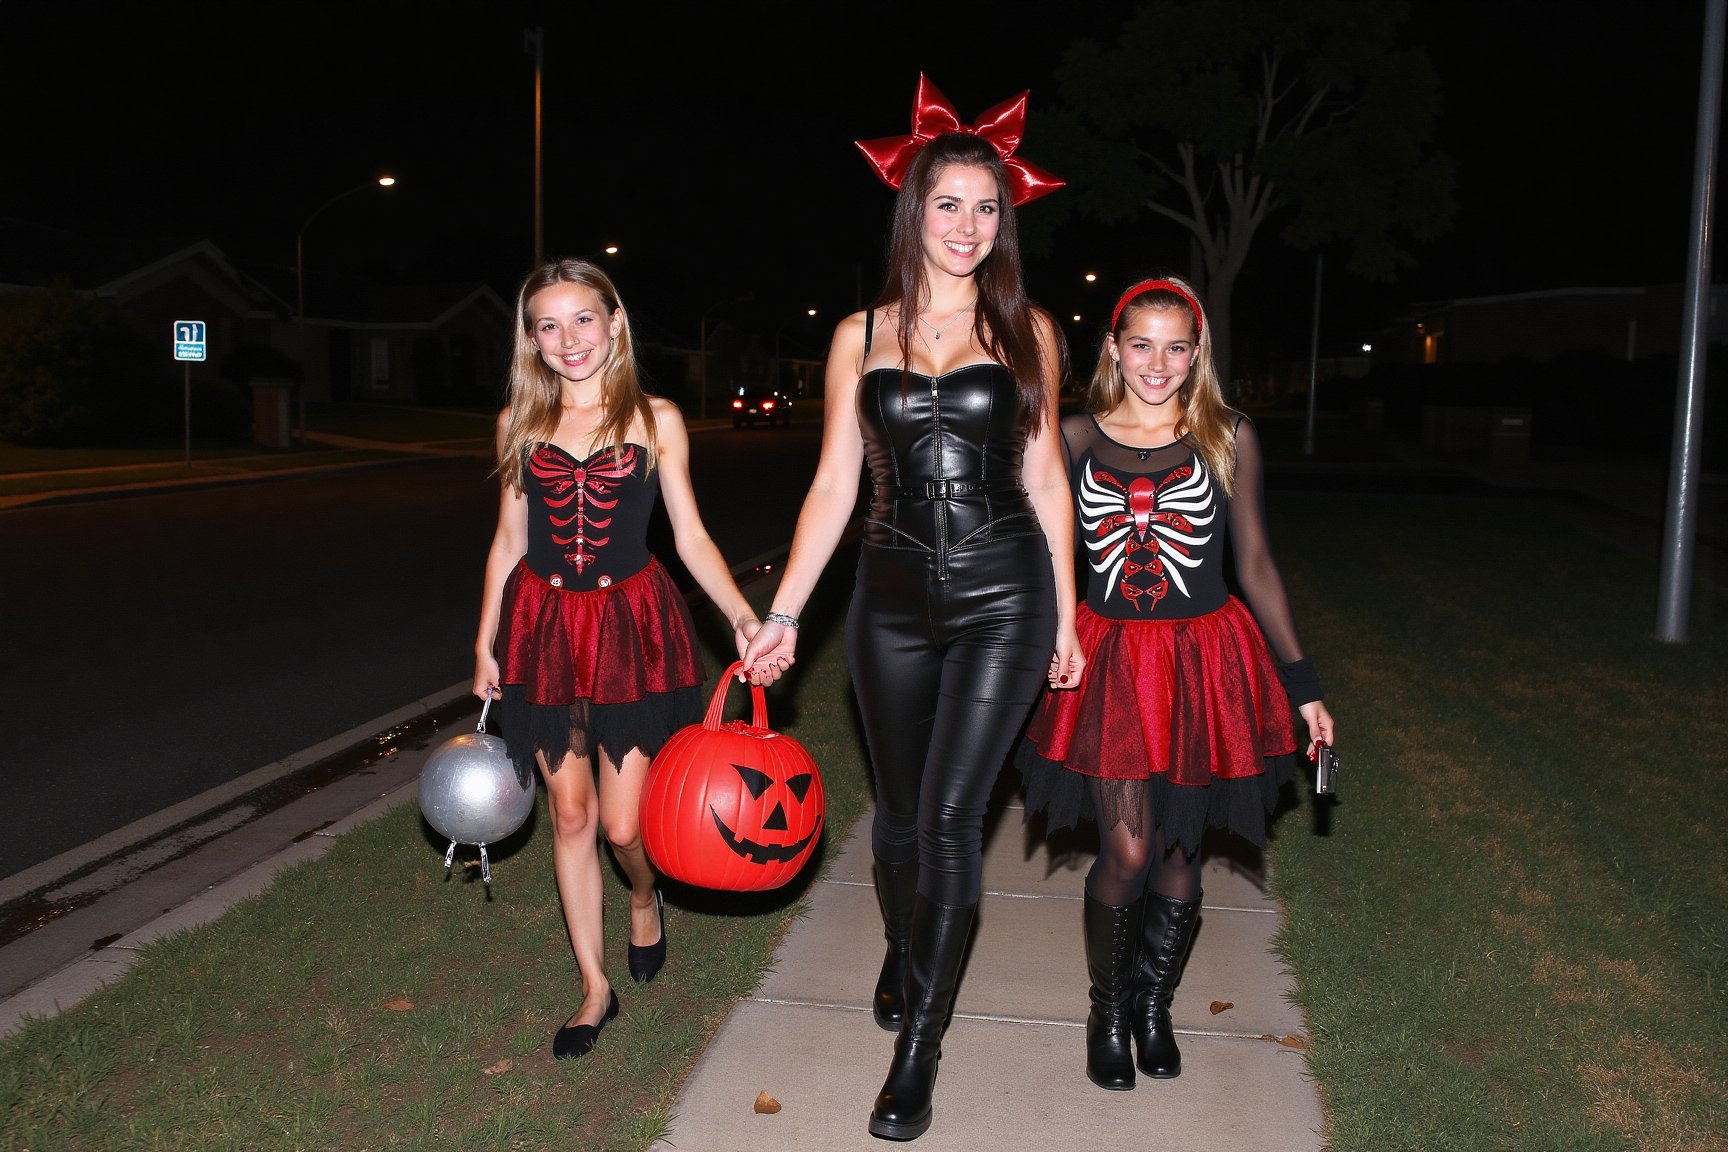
(1325, 770)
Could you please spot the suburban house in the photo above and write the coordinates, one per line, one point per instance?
(1623, 323)
(432, 343)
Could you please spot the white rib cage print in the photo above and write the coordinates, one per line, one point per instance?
(1118, 520)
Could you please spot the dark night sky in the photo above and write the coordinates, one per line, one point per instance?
(723, 164)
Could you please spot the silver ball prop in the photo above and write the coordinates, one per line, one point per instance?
(470, 793)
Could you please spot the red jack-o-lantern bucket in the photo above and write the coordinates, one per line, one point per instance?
(732, 806)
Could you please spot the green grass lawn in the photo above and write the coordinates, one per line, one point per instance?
(1513, 934)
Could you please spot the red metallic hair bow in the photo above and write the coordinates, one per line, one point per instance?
(932, 115)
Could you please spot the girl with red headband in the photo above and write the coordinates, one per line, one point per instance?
(946, 390)
(1182, 719)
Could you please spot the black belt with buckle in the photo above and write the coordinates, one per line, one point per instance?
(943, 489)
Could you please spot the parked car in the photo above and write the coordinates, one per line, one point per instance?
(761, 403)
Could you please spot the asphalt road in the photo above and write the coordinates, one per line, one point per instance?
(161, 645)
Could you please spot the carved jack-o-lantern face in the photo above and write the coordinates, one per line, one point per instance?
(777, 841)
(735, 808)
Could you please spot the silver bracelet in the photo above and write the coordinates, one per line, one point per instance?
(781, 618)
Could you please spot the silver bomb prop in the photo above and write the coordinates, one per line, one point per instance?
(469, 792)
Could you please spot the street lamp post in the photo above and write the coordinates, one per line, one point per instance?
(702, 367)
(535, 45)
(1313, 359)
(300, 278)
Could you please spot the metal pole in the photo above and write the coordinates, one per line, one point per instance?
(300, 318)
(1680, 518)
(300, 280)
(1313, 360)
(537, 37)
(186, 390)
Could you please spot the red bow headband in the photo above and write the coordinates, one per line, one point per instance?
(932, 115)
(1154, 285)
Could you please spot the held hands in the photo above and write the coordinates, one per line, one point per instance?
(1320, 726)
(766, 648)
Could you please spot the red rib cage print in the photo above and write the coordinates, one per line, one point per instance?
(591, 486)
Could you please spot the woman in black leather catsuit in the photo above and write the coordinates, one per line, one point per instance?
(963, 608)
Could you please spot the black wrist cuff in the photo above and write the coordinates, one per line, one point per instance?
(1301, 682)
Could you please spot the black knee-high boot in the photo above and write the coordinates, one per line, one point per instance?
(896, 887)
(1168, 928)
(1112, 939)
(939, 935)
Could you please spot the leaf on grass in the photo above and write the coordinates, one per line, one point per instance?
(1288, 1041)
(497, 1069)
(766, 1104)
(1222, 1006)
(400, 1004)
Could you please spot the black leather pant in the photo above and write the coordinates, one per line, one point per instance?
(946, 671)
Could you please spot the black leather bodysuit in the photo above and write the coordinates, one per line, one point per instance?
(953, 616)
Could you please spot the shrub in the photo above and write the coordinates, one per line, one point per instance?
(77, 371)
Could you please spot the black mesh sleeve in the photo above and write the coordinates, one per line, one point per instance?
(1257, 572)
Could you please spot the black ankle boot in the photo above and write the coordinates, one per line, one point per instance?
(896, 886)
(1112, 937)
(1167, 929)
(939, 933)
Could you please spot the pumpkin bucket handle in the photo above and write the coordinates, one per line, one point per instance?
(717, 705)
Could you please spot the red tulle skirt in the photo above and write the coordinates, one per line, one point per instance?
(613, 645)
(1182, 723)
(1190, 700)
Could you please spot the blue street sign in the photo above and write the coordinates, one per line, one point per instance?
(188, 339)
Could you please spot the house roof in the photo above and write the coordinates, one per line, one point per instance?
(37, 256)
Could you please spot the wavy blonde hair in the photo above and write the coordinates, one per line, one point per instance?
(536, 393)
(1205, 418)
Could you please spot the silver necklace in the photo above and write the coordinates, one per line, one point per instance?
(935, 332)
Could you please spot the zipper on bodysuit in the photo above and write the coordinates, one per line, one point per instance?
(941, 504)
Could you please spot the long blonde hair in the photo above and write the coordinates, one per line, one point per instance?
(1205, 418)
(536, 394)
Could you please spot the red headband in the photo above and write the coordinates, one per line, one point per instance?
(1152, 285)
(932, 115)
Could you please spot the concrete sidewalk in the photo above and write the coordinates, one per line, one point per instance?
(1013, 1073)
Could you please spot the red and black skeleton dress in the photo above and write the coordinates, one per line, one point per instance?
(596, 648)
(1180, 693)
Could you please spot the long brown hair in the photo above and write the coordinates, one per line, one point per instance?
(536, 394)
(1003, 319)
(1205, 418)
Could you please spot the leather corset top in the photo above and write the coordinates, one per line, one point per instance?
(945, 460)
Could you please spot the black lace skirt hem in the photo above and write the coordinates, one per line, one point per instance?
(1182, 813)
(614, 730)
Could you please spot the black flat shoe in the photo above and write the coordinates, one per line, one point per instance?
(646, 962)
(572, 1042)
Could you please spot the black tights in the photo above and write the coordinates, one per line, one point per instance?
(1132, 859)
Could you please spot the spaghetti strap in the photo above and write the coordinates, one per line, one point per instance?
(869, 326)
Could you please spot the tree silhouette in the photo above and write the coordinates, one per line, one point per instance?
(1226, 115)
